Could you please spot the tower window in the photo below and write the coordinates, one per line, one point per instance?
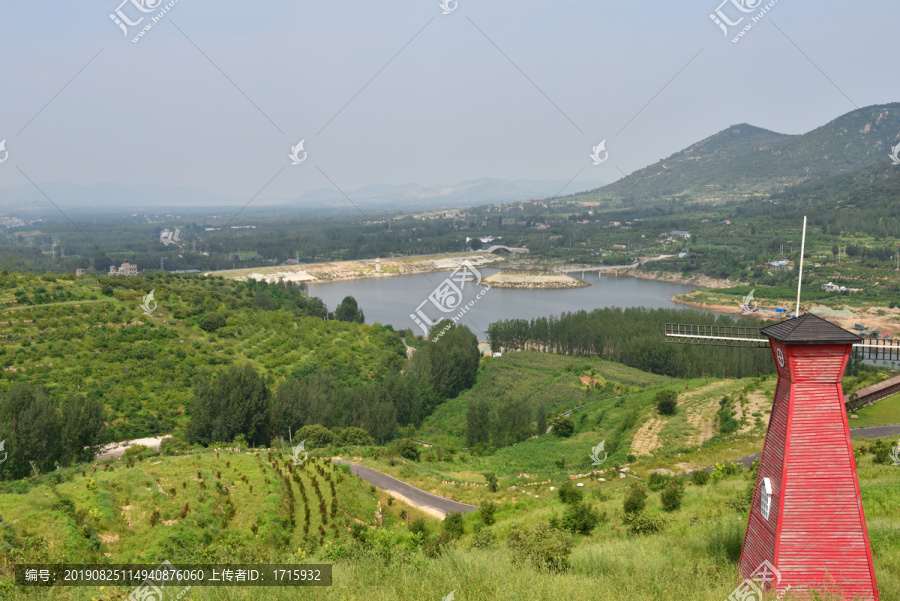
(765, 498)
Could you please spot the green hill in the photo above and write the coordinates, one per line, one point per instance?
(90, 337)
(744, 160)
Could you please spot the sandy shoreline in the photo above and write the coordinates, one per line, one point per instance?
(341, 271)
(533, 281)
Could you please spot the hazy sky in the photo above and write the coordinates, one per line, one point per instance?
(515, 89)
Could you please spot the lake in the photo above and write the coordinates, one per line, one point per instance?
(391, 300)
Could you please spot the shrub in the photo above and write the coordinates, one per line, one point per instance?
(569, 493)
(173, 446)
(454, 527)
(352, 436)
(483, 539)
(672, 496)
(644, 524)
(433, 547)
(211, 321)
(491, 479)
(359, 531)
(418, 526)
(666, 402)
(138, 450)
(882, 451)
(700, 477)
(635, 500)
(406, 448)
(486, 513)
(315, 436)
(657, 481)
(724, 470)
(580, 518)
(563, 426)
(544, 547)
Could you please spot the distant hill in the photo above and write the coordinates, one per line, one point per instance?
(744, 160)
(468, 193)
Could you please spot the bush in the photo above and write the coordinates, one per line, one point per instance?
(672, 496)
(483, 539)
(569, 493)
(211, 321)
(486, 513)
(352, 436)
(173, 446)
(700, 477)
(657, 481)
(136, 450)
(315, 436)
(644, 524)
(418, 526)
(563, 426)
(406, 448)
(882, 451)
(580, 518)
(666, 402)
(725, 541)
(635, 500)
(454, 527)
(544, 547)
(491, 479)
(724, 470)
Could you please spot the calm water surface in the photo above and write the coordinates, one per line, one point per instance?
(390, 300)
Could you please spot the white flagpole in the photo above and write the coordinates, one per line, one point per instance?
(800, 281)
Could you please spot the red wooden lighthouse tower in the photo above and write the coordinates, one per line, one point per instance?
(807, 518)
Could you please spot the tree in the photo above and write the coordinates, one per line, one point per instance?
(211, 321)
(349, 310)
(29, 425)
(83, 429)
(236, 401)
(315, 436)
(287, 415)
(666, 402)
(406, 448)
(563, 426)
(478, 420)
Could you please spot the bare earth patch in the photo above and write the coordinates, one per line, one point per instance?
(647, 438)
(701, 413)
(109, 538)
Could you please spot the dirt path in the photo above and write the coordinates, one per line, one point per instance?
(647, 438)
(701, 413)
(114, 450)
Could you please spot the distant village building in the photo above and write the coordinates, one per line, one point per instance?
(675, 234)
(832, 287)
(615, 223)
(872, 394)
(79, 272)
(780, 265)
(126, 269)
(291, 262)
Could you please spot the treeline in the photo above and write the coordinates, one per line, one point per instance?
(238, 400)
(634, 337)
(37, 433)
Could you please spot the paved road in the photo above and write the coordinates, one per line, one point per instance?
(415, 496)
(872, 432)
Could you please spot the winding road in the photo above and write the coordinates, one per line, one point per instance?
(870, 432)
(427, 502)
(440, 506)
